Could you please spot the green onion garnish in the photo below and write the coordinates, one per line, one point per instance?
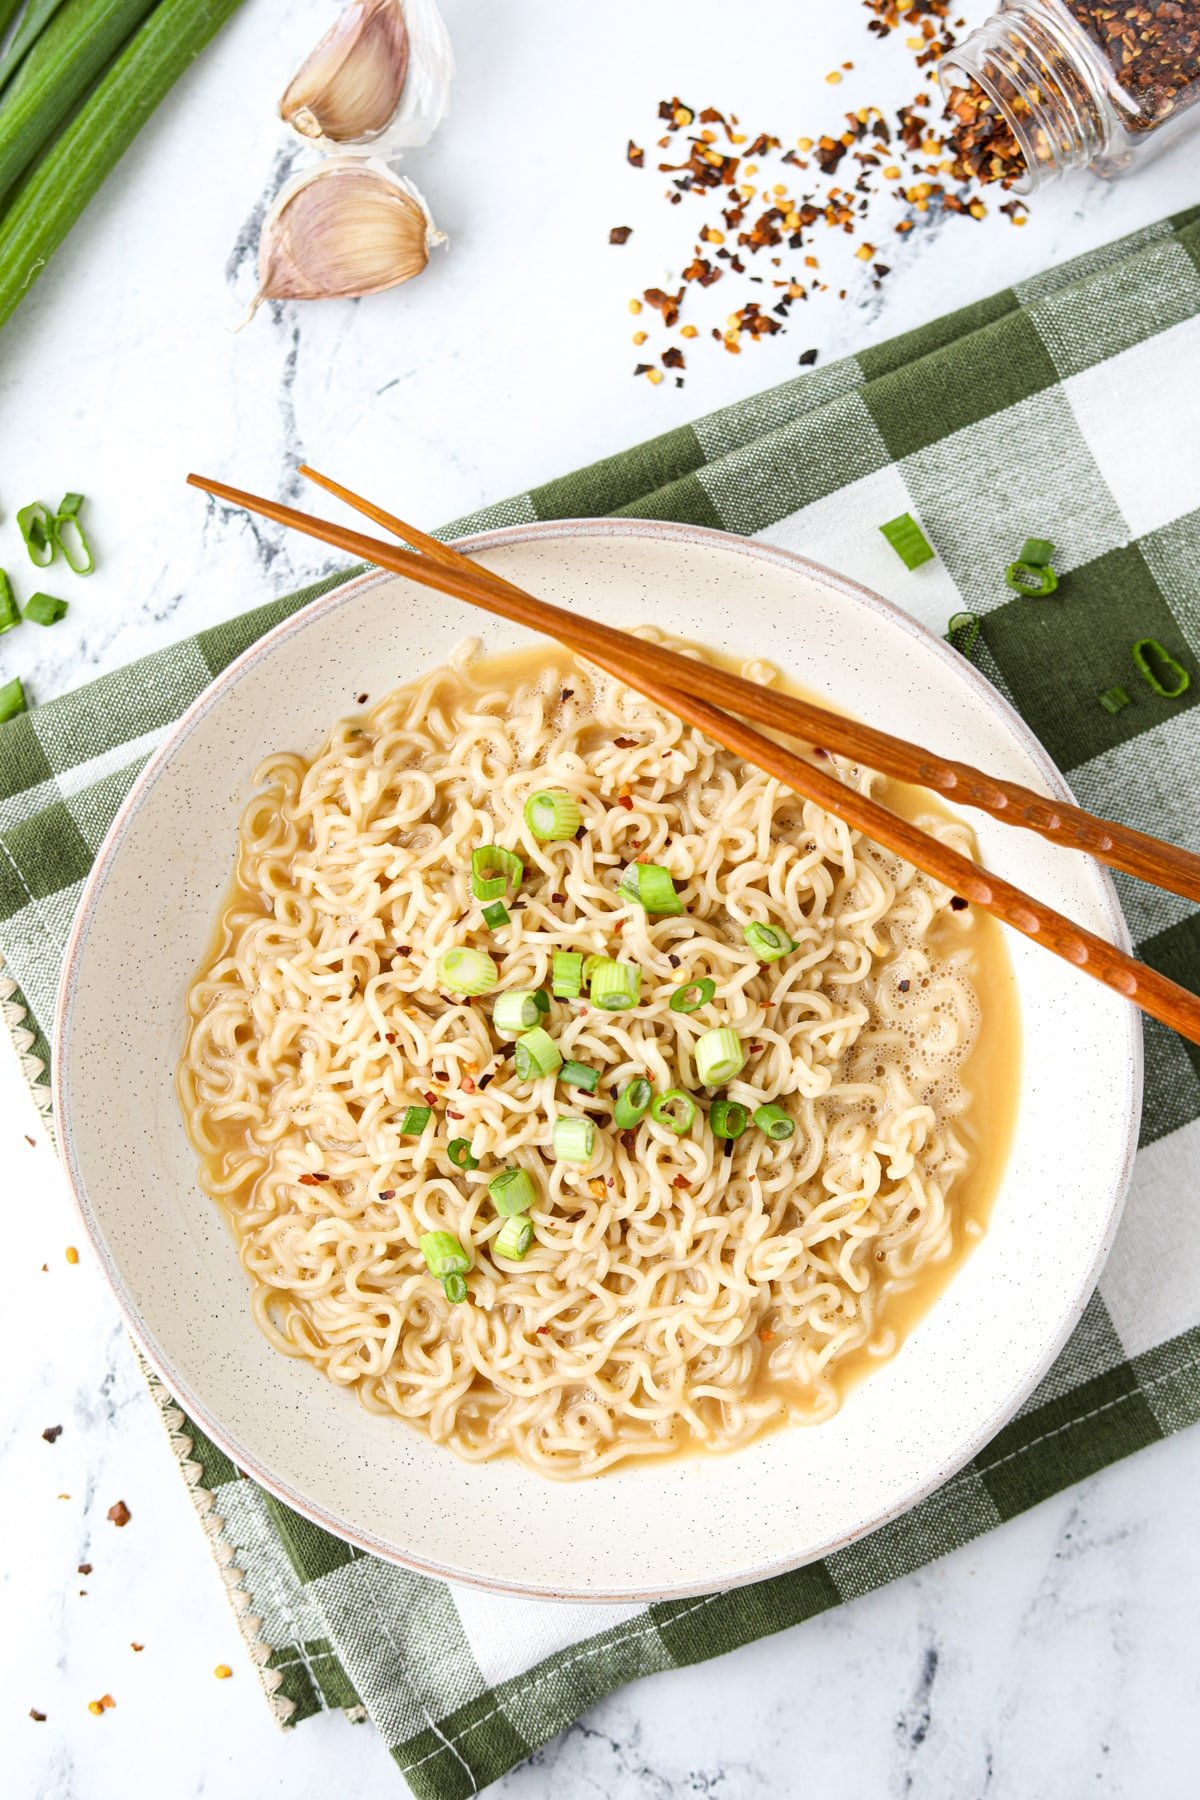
(12, 699)
(1113, 699)
(9, 611)
(464, 971)
(454, 1286)
(495, 915)
(515, 1012)
(573, 1140)
(70, 536)
(415, 1119)
(566, 978)
(45, 609)
(908, 541)
(512, 1192)
(650, 886)
(513, 1238)
(693, 995)
(459, 1152)
(541, 1000)
(769, 942)
(1030, 579)
(675, 1110)
(536, 1054)
(965, 624)
(615, 986)
(775, 1122)
(494, 871)
(719, 1056)
(727, 1118)
(552, 815)
(37, 529)
(632, 1102)
(1143, 651)
(577, 1074)
(1038, 552)
(443, 1254)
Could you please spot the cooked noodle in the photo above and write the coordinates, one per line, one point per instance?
(673, 1294)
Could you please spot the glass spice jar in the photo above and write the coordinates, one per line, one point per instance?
(1048, 86)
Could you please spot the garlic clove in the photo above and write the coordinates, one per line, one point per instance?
(348, 89)
(381, 77)
(346, 227)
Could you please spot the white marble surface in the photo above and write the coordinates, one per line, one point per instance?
(1054, 1658)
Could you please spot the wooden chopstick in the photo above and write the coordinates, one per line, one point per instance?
(1134, 852)
(1135, 981)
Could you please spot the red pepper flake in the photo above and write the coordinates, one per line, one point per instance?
(467, 1085)
(119, 1513)
(667, 304)
(39, 1718)
(672, 358)
(309, 1181)
(566, 694)
(429, 1098)
(403, 950)
(625, 801)
(137, 1647)
(808, 358)
(389, 1037)
(680, 1181)
(454, 1115)
(484, 1079)
(362, 699)
(52, 1433)
(626, 743)
(635, 156)
(84, 1569)
(387, 1193)
(620, 234)
(32, 1142)
(904, 986)
(958, 904)
(542, 1329)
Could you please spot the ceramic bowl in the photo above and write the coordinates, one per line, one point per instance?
(691, 1524)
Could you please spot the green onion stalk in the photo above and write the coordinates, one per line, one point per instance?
(51, 197)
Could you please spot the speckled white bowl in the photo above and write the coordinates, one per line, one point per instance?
(693, 1524)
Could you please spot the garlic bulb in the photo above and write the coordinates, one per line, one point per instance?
(346, 226)
(380, 76)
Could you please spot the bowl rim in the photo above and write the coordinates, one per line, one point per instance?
(475, 543)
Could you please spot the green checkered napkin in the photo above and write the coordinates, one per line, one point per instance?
(1064, 408)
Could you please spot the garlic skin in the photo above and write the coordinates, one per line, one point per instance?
(345, 227)
(380, 77)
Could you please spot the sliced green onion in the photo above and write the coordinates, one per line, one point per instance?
(632, 1102)
(70, 536)
(513, 1238)
(727, 1118)
(965, 624)
(45, 609)
(443, 1254)
(769, 942)
(459, 1152)
(541, 1000)
(908, 541)
(512, 1192)
(1030, 579)
(577, 1074)
(590, 965)
(1114, 699)
(415, 1119)
(650, 886)
(675, 1110)
(495, 872)
(1038, 552)
(9, 612)
(464, 971)
(1143, 651)
(692, 995)
(552, 815)
(454, 1287)
(719, 1056)
(615, 986)
(496, 915)
(37, 530)
(775, 1122)
(574, 1140)
(12, 699)
(515, 1012)
(536, 1054)
(567, 975)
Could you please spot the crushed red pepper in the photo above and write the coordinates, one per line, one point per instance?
(119, 1513)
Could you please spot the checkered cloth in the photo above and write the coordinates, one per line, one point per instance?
(1064, 408)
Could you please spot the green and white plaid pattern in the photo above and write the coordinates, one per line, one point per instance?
(1065, 408)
